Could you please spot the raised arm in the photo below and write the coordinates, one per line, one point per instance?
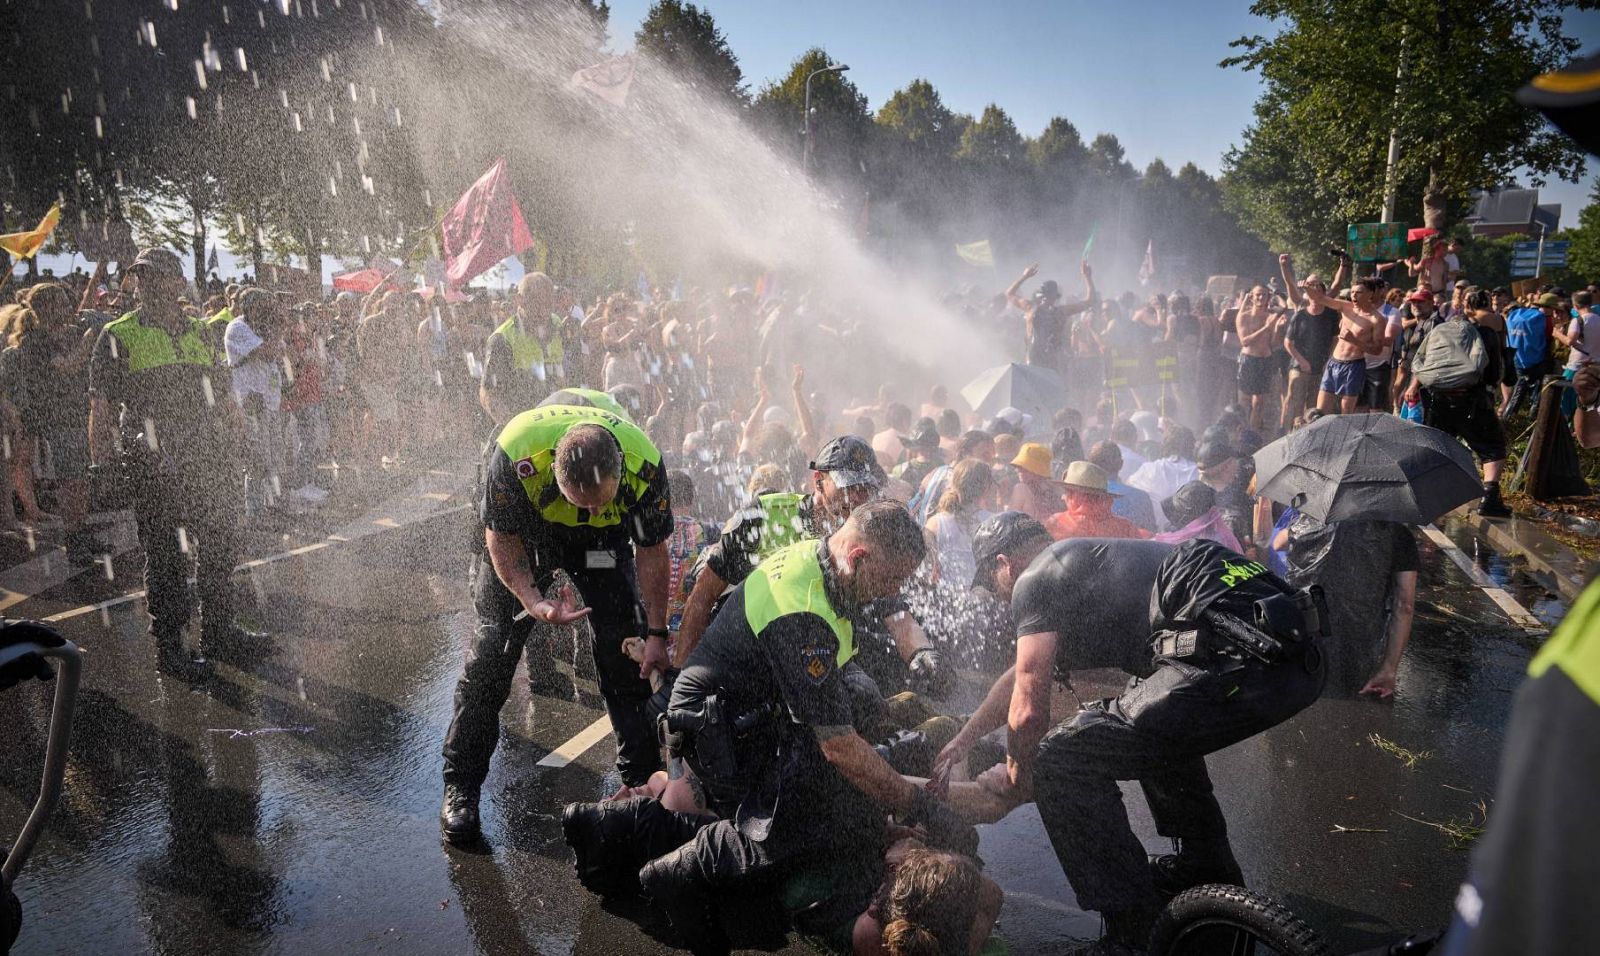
(1286, 271)
(1343, 307)
(802, 410)
(1011, 293)
(90, 296)
(752, 425)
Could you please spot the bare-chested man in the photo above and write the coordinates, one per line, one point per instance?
(1359, 321)
(1257, 328)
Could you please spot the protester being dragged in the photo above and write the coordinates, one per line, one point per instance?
(1036, 493)
(1088, 501)
(1129, 502)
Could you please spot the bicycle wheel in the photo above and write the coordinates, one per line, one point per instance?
(1220, 920)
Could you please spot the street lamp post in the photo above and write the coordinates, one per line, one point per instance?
(810, 127)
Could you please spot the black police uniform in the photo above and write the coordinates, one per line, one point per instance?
(747, 706)
(600, 562)
(178, 454)
(1196, 692)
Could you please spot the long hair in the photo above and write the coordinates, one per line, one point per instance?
(970, 480)
(17, 322)
(929, 907)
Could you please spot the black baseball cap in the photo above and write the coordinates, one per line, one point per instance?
(1048, 290)
(851, 462)
(924, 435)
(1212, 453)
(1001, 534)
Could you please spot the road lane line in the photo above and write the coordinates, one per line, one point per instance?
(1519, 615)
(329, 542)
(578, 745)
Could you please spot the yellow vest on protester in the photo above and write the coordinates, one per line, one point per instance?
(790, 581)
(528, 351)
(530, 438)
(145, 347)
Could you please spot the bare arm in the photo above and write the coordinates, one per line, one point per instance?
(89, 291)
(991, 714)
(1011, 292)
(909, 637)
(752, 425)
(1340, 273)
(1343, 307)
(708, 586)
(1286, 272)
(654, 577)
(802, 409)
(1029, 716)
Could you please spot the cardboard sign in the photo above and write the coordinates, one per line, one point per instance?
(1376, 241)
(1219, 288)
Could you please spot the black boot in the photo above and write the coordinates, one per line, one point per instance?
(173, 661)
(671, 886)
(237, 645)
(458, 816)
(612, 839)
(1493, 506)
(1196, 863)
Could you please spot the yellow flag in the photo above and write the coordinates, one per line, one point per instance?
(25, 245)
(978, 253)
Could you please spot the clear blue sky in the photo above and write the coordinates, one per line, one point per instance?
(1144, 70)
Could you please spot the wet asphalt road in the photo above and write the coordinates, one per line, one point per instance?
(289, 806)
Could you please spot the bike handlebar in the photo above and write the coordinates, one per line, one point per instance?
(56, 748)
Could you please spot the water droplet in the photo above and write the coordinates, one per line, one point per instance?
(189, 104)
(99, 128)
(333, 187)
(205, 386)
(238, 51)
(111, 574)
(200, 73)
(33, 544)
(183, 539)
(150, 434)
(299, 127)
(288, 370)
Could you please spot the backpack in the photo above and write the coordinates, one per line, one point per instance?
(1452, 357)
(1525, 332)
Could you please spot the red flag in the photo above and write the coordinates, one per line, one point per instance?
(362, 280)
(483, 227)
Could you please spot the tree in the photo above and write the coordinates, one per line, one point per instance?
(1583, 257)
(840, 124)
(685, 38)
(1316, 153)
(1107, 157)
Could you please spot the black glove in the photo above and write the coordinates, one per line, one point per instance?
(946, 831)
(929, 674)
(28, 665)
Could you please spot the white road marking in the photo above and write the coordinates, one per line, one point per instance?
(1519, 615)
(578, 745)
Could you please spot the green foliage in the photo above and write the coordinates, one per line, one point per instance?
(1315, 156)
(840, 122)
(685, 38)
(1584, 256)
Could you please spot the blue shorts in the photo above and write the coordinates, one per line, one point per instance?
(1344, 378)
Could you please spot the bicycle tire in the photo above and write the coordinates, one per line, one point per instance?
(1180, 928)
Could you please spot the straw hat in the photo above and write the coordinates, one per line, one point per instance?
(1088, 476)
(1034, 459)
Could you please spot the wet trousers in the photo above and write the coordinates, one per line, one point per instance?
(208, 536)
(1158, 733)
(492, 662)
(1527, 389)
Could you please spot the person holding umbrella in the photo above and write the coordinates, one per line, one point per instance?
(1359, 482)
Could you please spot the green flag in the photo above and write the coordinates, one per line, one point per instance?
(1088, 244)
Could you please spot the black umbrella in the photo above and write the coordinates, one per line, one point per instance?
(1368, 467)
(1034, 390)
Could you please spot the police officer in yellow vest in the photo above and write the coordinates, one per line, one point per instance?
(762, 715)
(160, 419)
(582, 491)
(526, 357)
(845, 475)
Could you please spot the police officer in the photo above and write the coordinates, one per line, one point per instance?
(1221, 649)
(582, 491)
(844, 476)
(526, 356)
(161, 422)
(762, 715)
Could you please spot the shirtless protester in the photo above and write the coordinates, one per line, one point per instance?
(1257, 327)
(1359, 321)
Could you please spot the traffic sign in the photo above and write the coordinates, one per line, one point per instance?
(1523, 271)
(1526, 245)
